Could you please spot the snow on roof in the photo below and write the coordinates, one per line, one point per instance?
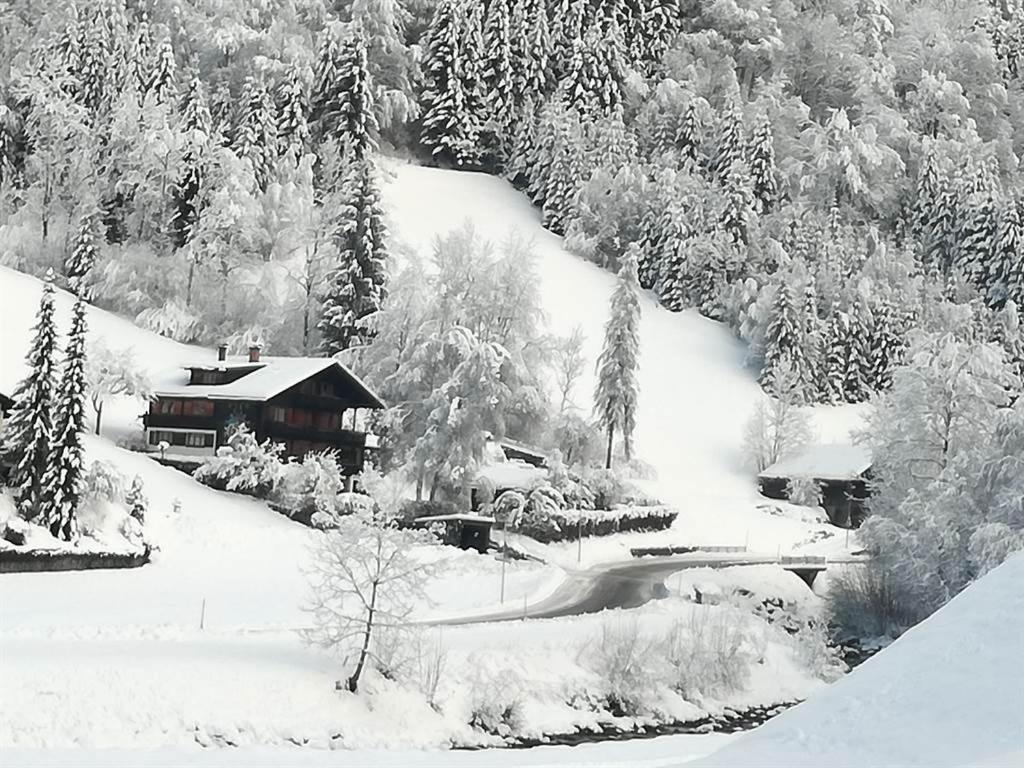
(523, 448)
(823, 462)
(456, 517)
(512, 474)
(270, 377)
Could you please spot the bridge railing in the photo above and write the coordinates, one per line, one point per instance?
(802, 560)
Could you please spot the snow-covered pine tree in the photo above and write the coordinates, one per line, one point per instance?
(737, 212)
(325, 104)
(27, 433)
(196, 124)
(690, 136)
(357, 123)
(783, 342)
(1005, 273)
(531, 53)
(854, 345)
(567, 27)
(730, 142)
(562, 167)
(79, 263)
(292, 109)
(382, 24)
(499, 80)
(450, 126)
(358, 284)
(592, 83)
(617, 391)
(162, 84)
(136, 500)
(832, 371)
(140, 57)
(662, 23)
(885, 348)
(764, 183)
(812, 340)
(62, 481)
(255, 134)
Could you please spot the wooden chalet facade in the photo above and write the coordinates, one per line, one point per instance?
(302, 403)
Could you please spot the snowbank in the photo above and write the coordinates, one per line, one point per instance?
(946, 693)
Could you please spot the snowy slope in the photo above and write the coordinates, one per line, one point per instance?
(695, 394)
(947, 693)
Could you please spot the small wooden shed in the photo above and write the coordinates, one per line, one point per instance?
(842, 472)
(461, 530)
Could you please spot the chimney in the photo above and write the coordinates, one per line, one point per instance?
(222, 352)
(254, 353)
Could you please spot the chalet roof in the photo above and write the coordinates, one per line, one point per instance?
(268, 378)
(823, 462)
(523, 448)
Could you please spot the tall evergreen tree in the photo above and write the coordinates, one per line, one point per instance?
(499, 79)
(885, 348)
(737, 212)
(255, 135)
(784, 342)
(79, 263)
(292, 122)
(383, 25)
(27, 433)
(141, 56)
(197, 125)
(1005, 272)
(764, 183)
(595, 71)
(62, 481)
(617, 391)
(357, 285)
(357, 124)
(812, 340)
(162, 84)
(450, 124)
(689, 136)
(730, 142)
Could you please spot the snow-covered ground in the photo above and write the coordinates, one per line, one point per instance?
(946, 693)
(115, 658)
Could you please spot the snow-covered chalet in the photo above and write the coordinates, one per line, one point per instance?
(303, 403)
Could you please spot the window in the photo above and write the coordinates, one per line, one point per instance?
(198, 408)
(163, 406)
(198, 440)
(278, 413)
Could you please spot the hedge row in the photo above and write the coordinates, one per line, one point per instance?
(570, 524)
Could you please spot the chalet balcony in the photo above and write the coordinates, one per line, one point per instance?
(178, 421)
(283, 430)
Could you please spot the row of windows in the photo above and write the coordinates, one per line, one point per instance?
(182, 407)
(301, 417)
(189, 439)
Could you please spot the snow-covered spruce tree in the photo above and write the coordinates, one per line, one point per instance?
(136, 500)
(358, 284)
(811, 340)
(689, 136)
(162, 84)
(1005, 273)
(854, 345)
(593, 80)
(356, 123)
(27, 433)
(531, 52)
(737, 211)
(79, 263)
(560, 165)
(255, 133)
(730, 142)
(499, 80)
(140, 55)
(831, 373)
(885, 348)
(450, 122)
(62, 481)
(783, 344)
(761, 161)
(617, 391)
(196, 125)
(292, 116)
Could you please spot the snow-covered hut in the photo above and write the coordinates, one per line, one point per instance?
(842, 472)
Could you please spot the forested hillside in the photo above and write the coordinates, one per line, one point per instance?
(839, 182)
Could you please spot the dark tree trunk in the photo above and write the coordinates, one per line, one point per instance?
(353, 681)
(611, 439)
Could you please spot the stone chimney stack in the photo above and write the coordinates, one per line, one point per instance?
(222, 352)
(254, 353)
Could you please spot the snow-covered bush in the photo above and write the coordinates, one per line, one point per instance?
(311, 490)
(815, 653)
(708, 654)
(103, 482)
(496, 701)
(629, 663)
(805, 492)
(244, 465)
(428, 664)
(570, 524)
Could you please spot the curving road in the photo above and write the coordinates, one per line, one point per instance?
(618, 585)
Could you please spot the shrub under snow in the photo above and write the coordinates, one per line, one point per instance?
(244, 465)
